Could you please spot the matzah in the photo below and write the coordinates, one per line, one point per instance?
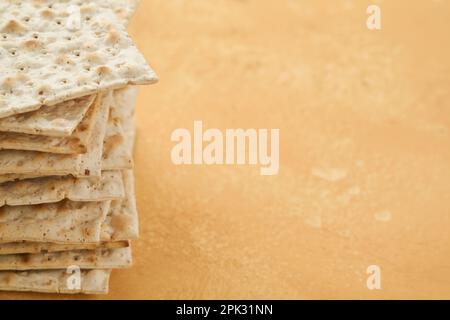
(84, 259)
(62, 222)
(55, 281)
(75, 144)
(38, 163)
(48, 60)
(69, 222)
(61, 120)
(54, 121)
(44, 247)
(54, 189)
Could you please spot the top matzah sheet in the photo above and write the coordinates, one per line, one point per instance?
(47, 60)
(61, 120)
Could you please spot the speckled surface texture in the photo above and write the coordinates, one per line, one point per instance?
(364, 151)
(48, 58)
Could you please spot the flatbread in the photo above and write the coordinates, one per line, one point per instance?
(46, 59)
(122, 222)
(121, 150)
(84, 259)
(52, 121)
(69, 222)
(61, 120)
(47, 164)
(75, 144)
(54, 189)
(18, 177)
(117, 153)
(124, 102)
(62, 222)
(44, 247)
(55, 281)
(118, 145)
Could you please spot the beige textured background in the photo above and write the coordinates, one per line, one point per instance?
(372, 106)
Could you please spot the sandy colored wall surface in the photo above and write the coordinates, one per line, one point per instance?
(364, 178)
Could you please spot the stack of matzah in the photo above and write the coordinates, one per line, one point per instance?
(67, 203)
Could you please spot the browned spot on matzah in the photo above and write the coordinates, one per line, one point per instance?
(111, 142)
(31, 44)
(13, 26)
(120, 222)
(47, 13)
